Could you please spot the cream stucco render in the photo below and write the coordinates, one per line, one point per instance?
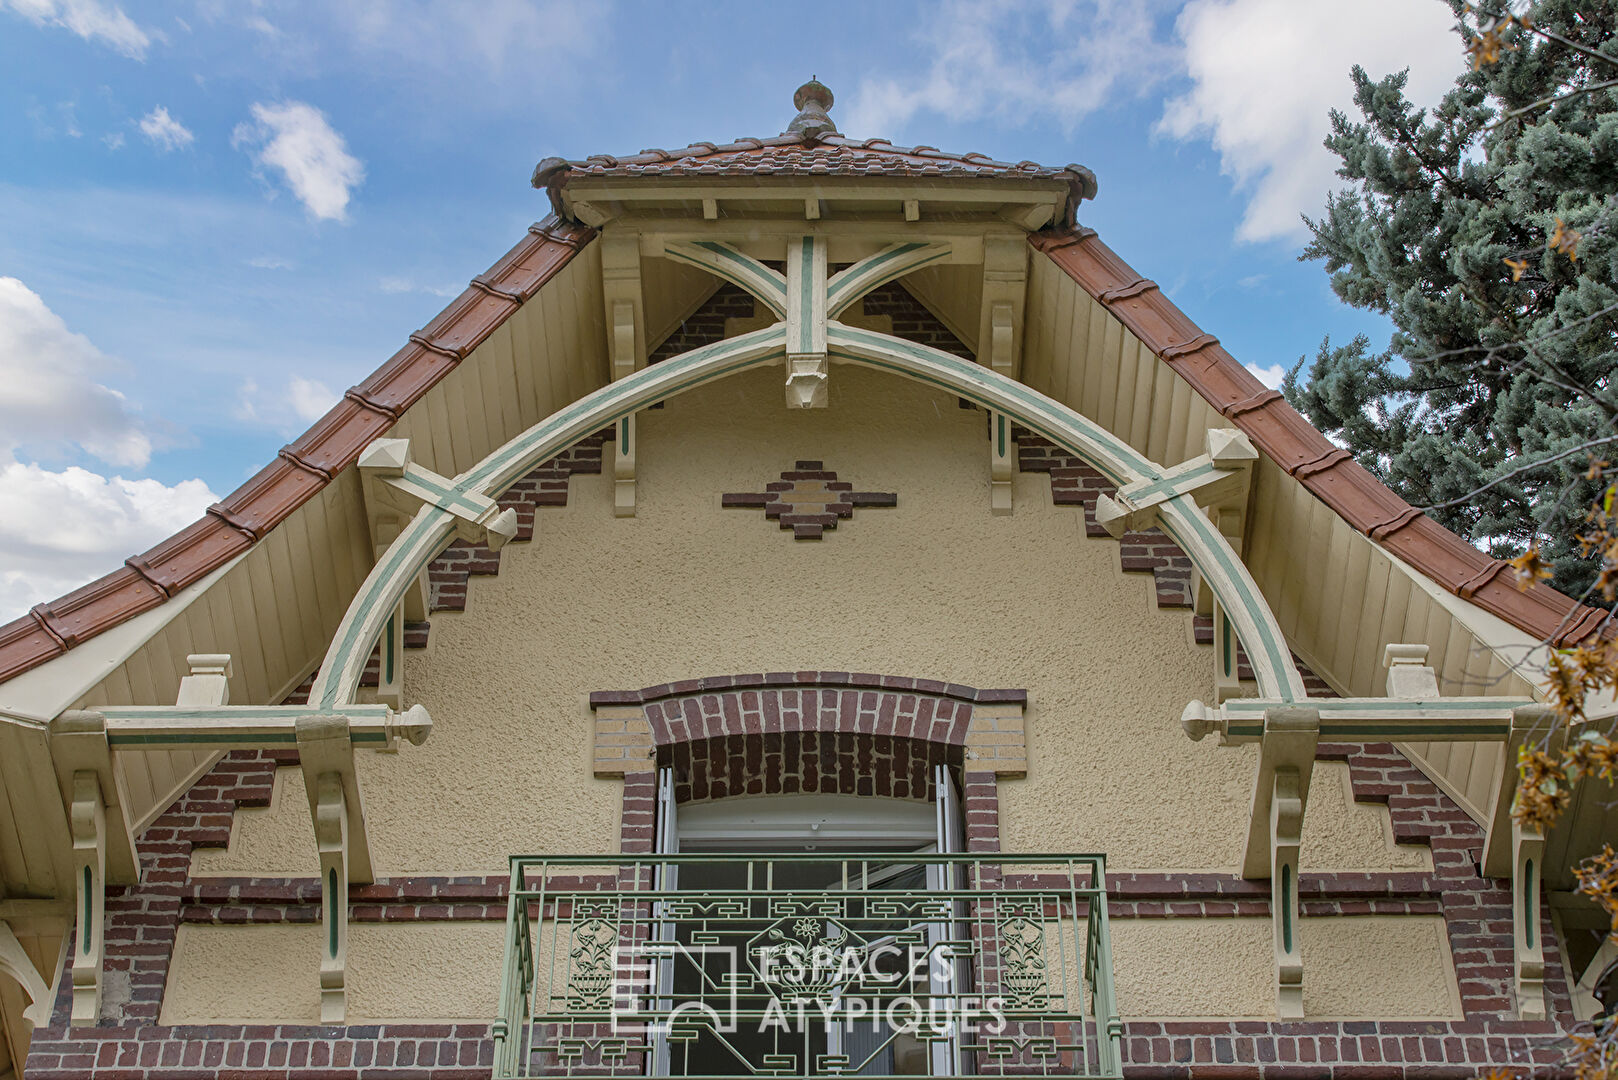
(398, 971)
(936, 587)
(1359, 967)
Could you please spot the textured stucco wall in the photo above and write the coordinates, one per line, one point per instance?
(1360, 967)
(1355, 967)
(400, 971)
(936, 587)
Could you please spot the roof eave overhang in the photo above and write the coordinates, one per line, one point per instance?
(1030, 203)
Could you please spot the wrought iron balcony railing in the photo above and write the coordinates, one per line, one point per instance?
(807, 965)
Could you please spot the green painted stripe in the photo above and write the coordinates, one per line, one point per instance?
(1173, 483)
(1182, 509)
(749, 268)
(1415, 730)
(1437, 707)
(234, 712)
(447, 496)
(1274, 661)
(806, 295)
(211, 738)
(866, 275)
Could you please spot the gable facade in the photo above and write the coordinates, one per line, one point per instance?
(765, 477)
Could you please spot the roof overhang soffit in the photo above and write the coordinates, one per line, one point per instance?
(1025, 203)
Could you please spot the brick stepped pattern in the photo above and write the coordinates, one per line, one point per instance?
(1076, 483)
(143, 921)
(447, 575)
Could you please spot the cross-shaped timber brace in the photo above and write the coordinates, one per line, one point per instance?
(808, 301)
(202, 719)
(804, 297)
(1288, 733)
(1222, 475)
(395, 487)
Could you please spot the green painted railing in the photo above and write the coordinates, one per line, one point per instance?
(807, 965)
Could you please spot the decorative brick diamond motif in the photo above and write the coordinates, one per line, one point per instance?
(808, 499)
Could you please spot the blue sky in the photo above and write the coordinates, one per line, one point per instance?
(215, 215)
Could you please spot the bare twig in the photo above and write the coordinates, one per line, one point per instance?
(1551, 100)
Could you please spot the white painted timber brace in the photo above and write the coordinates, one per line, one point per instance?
(103, 847)
(326, 755)
(1222, 475)
(1000, 337)
(625, 303)
(202, 719)
(391, 479)
(807, 365)
(1413, 711)
(14, 961)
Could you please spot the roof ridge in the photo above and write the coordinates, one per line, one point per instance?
(1326, 471)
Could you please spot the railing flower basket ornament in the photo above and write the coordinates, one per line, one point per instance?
(807, 965)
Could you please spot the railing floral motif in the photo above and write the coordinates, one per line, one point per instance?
(805, 965)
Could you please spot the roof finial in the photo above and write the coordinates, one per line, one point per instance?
(812, 99)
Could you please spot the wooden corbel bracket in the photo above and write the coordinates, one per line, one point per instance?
(103, 846)
(326, 755)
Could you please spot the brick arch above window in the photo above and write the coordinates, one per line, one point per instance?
(634, 729)
(810, 731)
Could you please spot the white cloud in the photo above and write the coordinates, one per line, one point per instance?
(92, 20)
(1052, 62)
(270, 262)
(395, 285)
(505, 35)
(1264, 73)
(163, 131)
(1270, 376)
(310, 399)
(114, 140)
(49, 393)
(295, 403)
(59, 529)
(294, 138)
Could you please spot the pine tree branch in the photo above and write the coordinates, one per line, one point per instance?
(1489, 351)
(1520, 470)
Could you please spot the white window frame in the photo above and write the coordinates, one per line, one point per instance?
(851, 823)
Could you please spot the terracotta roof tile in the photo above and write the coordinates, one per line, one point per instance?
(1327, 471)
(302, 468)
(802, 154)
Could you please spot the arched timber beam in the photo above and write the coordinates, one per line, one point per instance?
(768, 286)
(432, 527)
(1238, 593)
(851, 284)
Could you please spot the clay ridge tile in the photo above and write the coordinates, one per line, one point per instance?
(302, 468)
(1327, 471)
(786, 153)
